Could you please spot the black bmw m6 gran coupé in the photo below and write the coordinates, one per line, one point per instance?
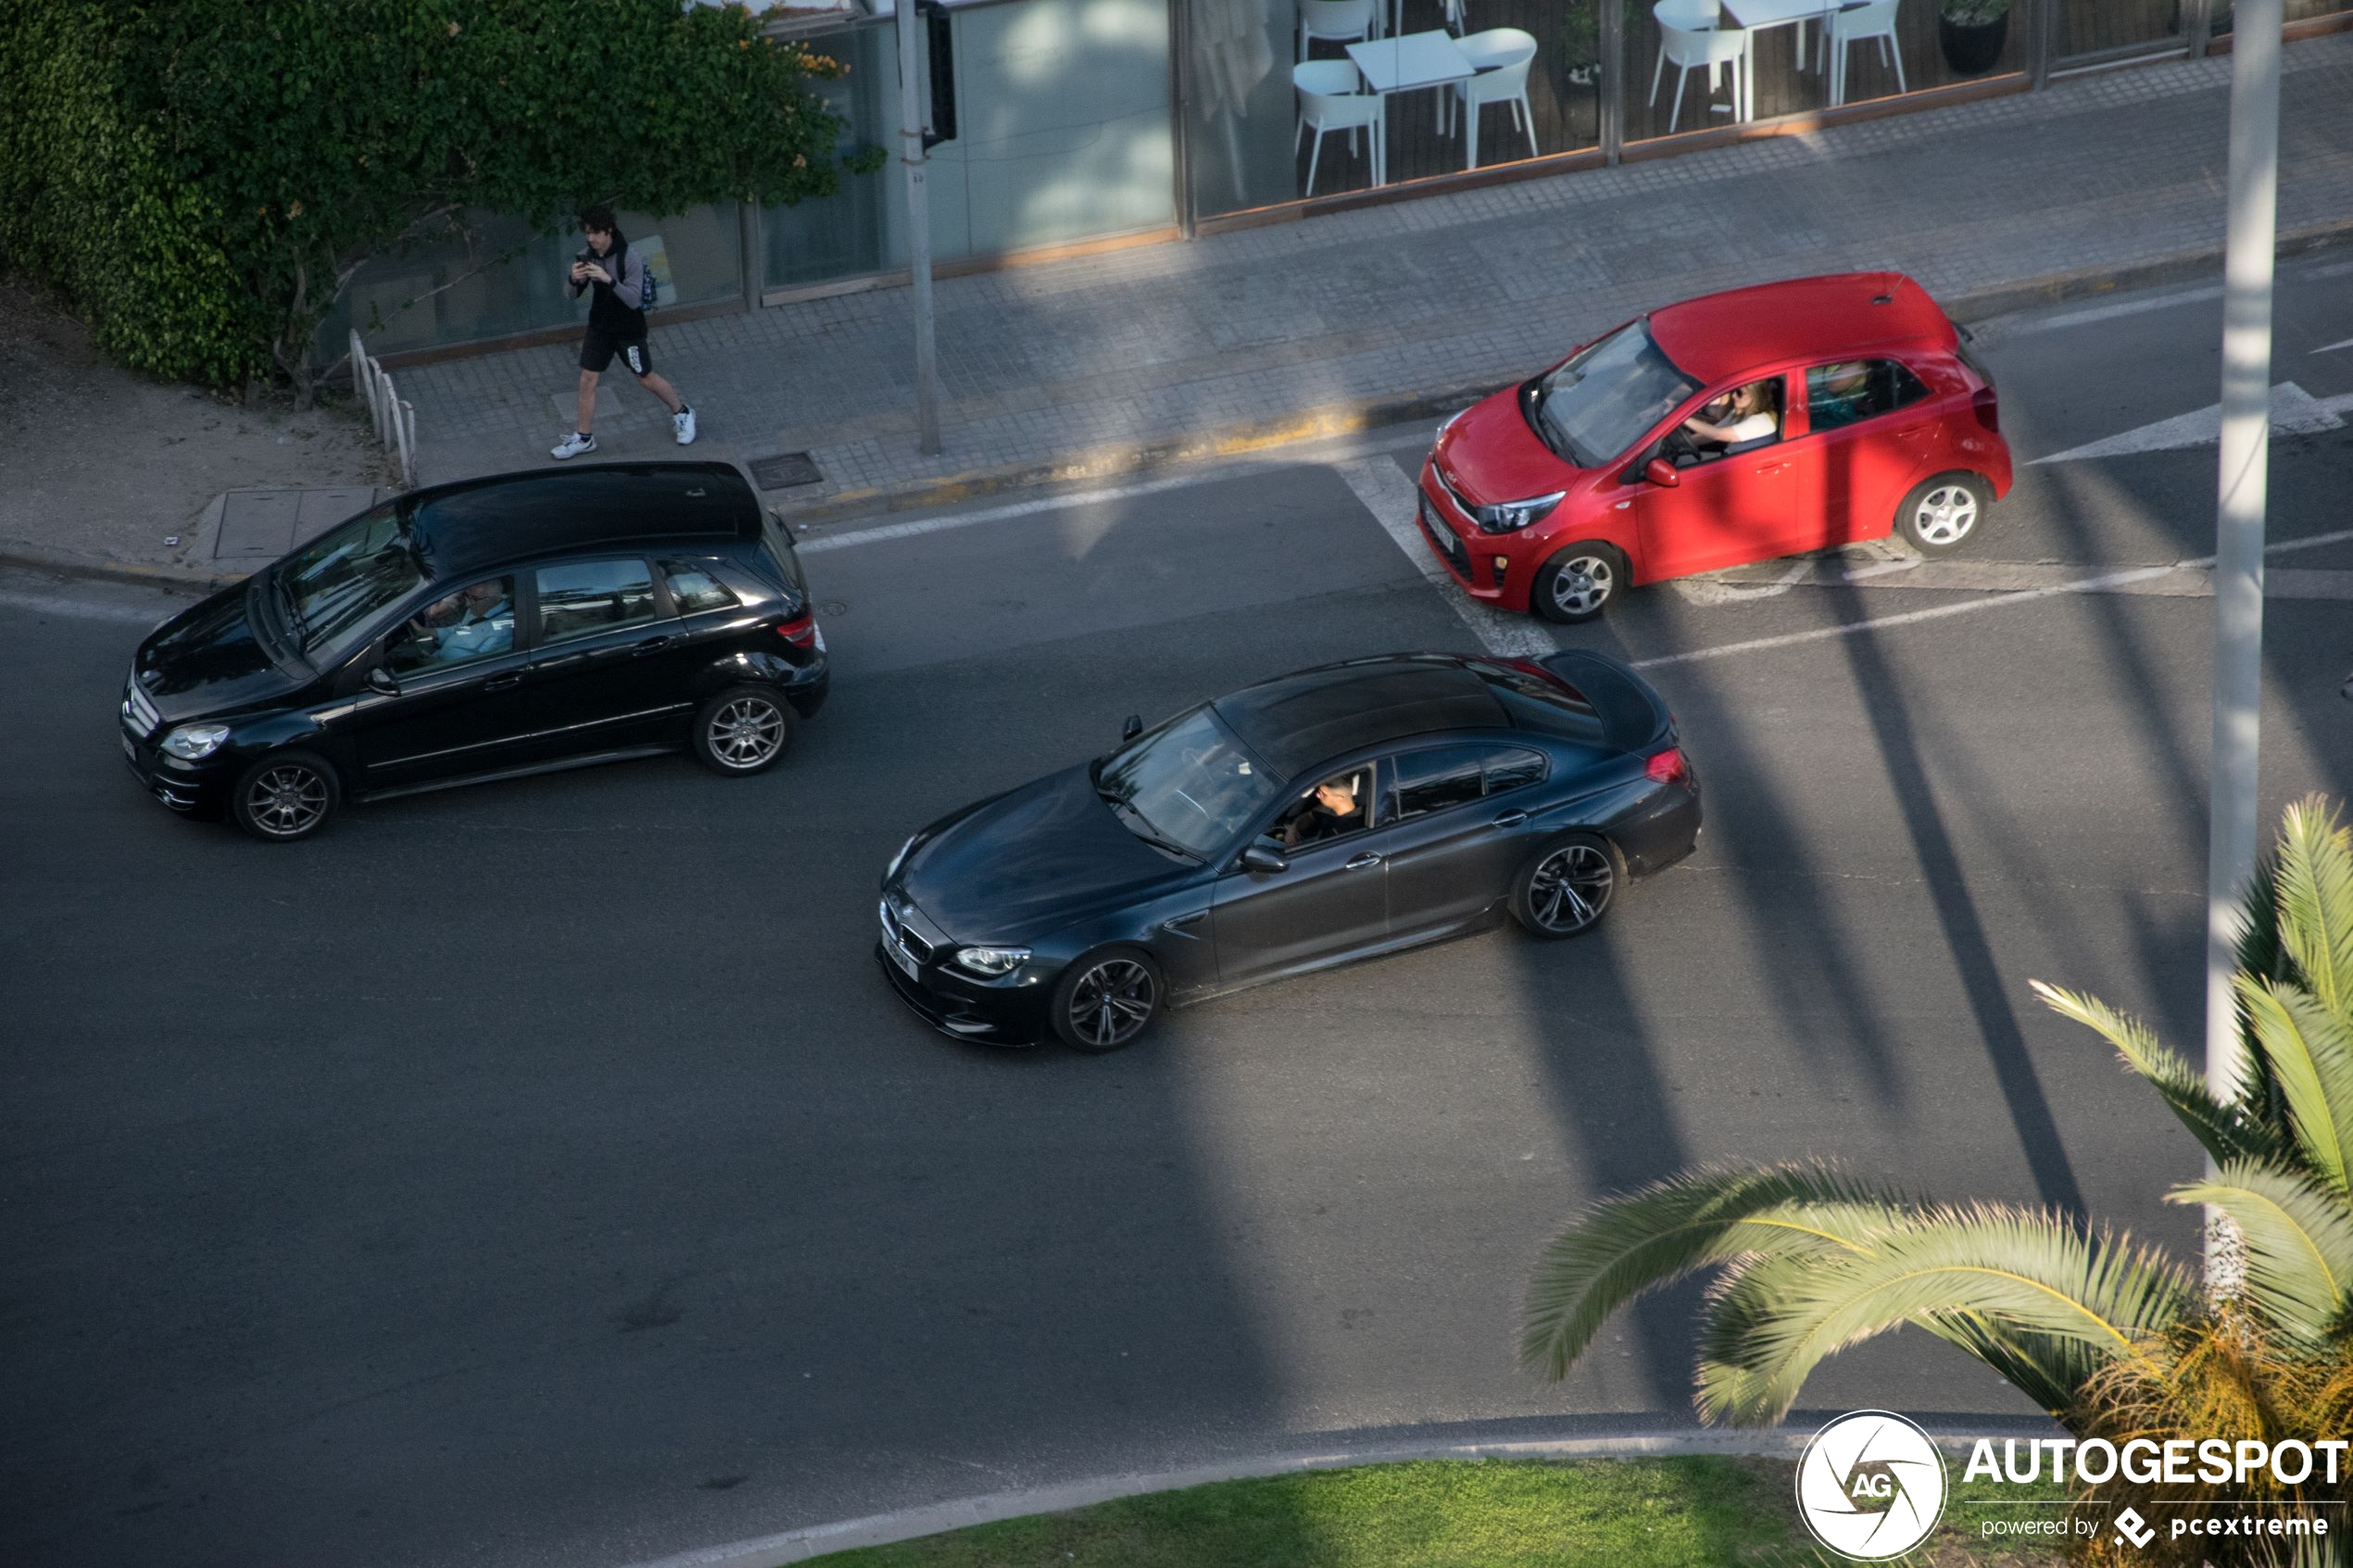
(1308, 820)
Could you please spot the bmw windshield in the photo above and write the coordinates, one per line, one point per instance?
(1189, 785)
(331, 592)
(1606, 398)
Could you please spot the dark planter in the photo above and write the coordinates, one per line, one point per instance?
(1971, 49)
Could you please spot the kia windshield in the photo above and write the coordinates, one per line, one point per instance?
(1607, 397)
(1189, 785)
(331, 593)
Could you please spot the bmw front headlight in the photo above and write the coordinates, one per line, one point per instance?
(192, 743)
(992, 962)
(1510, 517)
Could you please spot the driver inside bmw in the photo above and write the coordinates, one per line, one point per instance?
(1332, 809)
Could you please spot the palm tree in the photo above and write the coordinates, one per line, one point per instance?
(2095, 1328)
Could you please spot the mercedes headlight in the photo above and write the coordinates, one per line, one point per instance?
(1510, 517)
(192, 742)
(992, 962)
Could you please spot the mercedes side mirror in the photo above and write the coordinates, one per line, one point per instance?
(1658, 470)
(1130, 730)
(380, 680)
(1263, 861)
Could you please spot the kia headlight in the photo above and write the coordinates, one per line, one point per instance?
(192, 743)
(1510, 517)
(992, 962)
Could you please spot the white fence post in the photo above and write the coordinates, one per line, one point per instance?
(395, 421)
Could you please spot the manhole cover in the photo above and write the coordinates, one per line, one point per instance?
(831, 607)
(784, 470)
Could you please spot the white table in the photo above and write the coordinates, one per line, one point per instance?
(1756, 16)
(1410, 63)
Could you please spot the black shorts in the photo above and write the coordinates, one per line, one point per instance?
(597, 351)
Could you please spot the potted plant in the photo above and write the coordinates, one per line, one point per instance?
(1581, 39)
(1973, 33)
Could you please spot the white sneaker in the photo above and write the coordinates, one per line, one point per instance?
(572, 446)
(683, 421)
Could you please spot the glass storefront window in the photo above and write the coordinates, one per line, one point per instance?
(1063, 133)
(2100, 26)
(505, 281)
(1736, 60)
(1432, 87)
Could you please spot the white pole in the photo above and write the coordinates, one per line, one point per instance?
(2238, 563)
(911, 90)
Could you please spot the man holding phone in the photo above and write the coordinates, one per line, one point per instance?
(616, 325)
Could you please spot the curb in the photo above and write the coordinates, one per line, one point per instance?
(883, 1529)
(1243, 437)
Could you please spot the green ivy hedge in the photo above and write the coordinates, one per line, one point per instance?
(87, 204)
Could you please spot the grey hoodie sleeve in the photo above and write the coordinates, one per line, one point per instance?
(635, 287)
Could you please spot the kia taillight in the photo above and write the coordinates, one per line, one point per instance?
(800, 631)
(1667, 767)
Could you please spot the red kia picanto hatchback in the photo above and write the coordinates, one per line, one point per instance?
(1789, 417)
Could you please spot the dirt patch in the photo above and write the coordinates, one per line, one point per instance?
(107, 464)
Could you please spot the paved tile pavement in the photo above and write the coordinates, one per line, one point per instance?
(1154, 343)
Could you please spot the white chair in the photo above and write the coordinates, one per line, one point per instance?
(1329, 101)
(1712, 49)
(1343, 21)
(1853, 25)
(1458, 14)
(1501, 56)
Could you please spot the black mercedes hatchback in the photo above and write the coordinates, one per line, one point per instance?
(484, 630)
(1318, 817)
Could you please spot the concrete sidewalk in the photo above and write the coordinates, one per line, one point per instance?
(1109, 363)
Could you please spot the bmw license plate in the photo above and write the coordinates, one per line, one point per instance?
(129, 748)
(901, 957)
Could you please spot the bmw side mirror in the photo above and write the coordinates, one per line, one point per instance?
(380, 680)
(1133, 727)
(1659, 472)
(1263, 861)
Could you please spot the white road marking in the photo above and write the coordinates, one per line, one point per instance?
(86, 610)
(2330, 347)
(2106, 582)
(1389, 496)
(1009, 511)
(2294, 413)
(2122, 308)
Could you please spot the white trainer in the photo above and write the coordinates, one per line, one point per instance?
(572, 446)
(683, 421)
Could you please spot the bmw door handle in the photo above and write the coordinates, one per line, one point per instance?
(500, 682)
(651, 645)
(1361, 861)
(1510, 819)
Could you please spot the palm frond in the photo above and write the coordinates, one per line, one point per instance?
(2027, 1274)
(2310, 1053)
(2315, 890)
(1623, 1246)
(2048, 1371)
(2299, 1244)
(2225, 1132)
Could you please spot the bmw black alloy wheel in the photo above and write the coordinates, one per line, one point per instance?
(1110, 1002)
(1572, 887)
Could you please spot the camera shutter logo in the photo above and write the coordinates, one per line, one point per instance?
(1870, 1486)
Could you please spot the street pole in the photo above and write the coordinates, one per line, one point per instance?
(912, 85)
(2238, 554)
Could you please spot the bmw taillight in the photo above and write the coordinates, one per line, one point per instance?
(800, 631)
(1667, 767)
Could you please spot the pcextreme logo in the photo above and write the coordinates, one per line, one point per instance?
(1870, 1486)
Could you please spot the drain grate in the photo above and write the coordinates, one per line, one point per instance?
(784, 470)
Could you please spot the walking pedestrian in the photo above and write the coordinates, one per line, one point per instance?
(622, 288)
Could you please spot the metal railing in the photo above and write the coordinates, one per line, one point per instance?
(396, 420)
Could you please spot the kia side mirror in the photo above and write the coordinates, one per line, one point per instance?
(1263, 861)
(1130, 730)
(1659, 472)
(380, 680)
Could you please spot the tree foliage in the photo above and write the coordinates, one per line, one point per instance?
(274, 146)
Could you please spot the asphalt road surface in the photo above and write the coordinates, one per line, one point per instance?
(541, 1174)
